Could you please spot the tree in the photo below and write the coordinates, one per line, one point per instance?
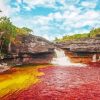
(95, 32)
(9, 32)
(23, 31)
(27, 30)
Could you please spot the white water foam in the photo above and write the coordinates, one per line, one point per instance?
(62, 60)
(94, 58)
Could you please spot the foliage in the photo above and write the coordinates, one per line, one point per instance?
(91, 34)
(95, 32)
(27, 29)
(9, 32)
(23, 31)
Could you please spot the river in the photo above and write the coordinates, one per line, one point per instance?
(51, 82)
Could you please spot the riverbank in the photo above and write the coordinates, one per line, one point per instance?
(33, 49)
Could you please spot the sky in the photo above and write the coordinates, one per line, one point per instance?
(53, 18)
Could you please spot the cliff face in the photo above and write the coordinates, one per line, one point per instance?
(30, 50)
(82, 50)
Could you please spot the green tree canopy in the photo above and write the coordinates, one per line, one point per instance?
(93, 33)
(9, 32)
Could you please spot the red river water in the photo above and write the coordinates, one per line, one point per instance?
(58, 83)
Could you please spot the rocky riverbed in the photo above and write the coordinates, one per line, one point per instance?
(50, 82)
(33, 49)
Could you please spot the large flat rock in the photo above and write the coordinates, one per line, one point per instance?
(30, 49)
(32, 44)
(82, 45)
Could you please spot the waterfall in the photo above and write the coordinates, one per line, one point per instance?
(94, 58)
(63, 60)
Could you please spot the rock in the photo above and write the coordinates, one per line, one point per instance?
(64, 45)
(82, 50)
(30, 49)
(86, 45)
(82, 45)
(4, 67)
(32, 44)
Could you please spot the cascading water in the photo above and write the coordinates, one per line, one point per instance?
(94, 58)
(63, 60)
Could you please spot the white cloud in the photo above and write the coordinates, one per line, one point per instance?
(89, 4)
(6, 9)
(48, 3)
(67, 19)
(19, 1)
(34, 3)
(71, 22)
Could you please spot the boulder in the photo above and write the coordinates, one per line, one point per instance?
(30, 49)
(32, 44)
(4, 67)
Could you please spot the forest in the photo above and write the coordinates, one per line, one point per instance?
(93, 33)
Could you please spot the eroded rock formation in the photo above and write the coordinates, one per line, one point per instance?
(30, 49)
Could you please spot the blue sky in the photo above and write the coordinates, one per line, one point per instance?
(53, 18)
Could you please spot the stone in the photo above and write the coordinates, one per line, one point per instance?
(32, 44)
(4, 67)
(82, 45)
(30, 49)
(82, 50)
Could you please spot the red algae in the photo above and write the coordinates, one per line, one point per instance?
(94, 64)
(62, 83)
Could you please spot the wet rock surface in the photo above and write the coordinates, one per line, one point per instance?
(63, 83)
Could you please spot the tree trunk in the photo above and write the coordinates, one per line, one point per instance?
(9, 47)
